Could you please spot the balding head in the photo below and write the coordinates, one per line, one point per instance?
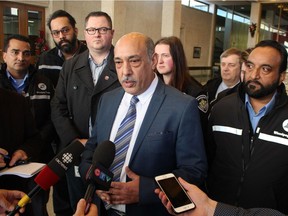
(135, 62)
(139, 38)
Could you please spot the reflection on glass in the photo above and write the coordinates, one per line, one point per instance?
(10, 21)
(34, 22)
(34, 27)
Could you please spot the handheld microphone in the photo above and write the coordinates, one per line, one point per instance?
(98, 175)
(52, 172)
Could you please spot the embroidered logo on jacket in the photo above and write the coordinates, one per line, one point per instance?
(42, 86)
(285, 125)
(203, 103)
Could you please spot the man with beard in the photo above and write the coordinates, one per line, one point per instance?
(82, 81)
(64, 32)
(248, 133)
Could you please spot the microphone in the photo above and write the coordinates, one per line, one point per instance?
(52, 172)
(99, 176)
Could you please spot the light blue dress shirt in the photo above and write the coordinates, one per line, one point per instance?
(255, 117)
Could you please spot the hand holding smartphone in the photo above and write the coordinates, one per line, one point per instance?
(175, 193)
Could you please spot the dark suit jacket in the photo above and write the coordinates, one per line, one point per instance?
(76, 97)
(17, 127)
(169, 140)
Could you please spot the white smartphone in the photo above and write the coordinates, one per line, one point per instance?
(175, 193)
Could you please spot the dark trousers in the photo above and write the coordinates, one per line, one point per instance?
(76, 187)
(61, 200)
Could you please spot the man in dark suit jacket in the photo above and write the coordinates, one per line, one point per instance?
(82, 81)
(167, 136)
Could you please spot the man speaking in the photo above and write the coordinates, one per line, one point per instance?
(156, 129)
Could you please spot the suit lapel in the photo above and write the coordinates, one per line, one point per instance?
(109, 111)
(153, 108)
(108, 75)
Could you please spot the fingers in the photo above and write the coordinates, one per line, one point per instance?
(15, 194)
(104, 195)
(3, 151)
(17, 155)
(81, 205)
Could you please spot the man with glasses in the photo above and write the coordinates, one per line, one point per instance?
(18, 75)
(82, 81)
(64, 32)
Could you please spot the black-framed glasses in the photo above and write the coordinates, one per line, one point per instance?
(64, 31)
(102, 30)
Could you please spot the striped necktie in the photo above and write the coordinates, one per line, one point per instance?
(123, 137)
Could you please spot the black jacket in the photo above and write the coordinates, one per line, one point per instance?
(211, 88)
(17, 128)
(38, 93)
(50, 62)
(76, 98)
(246, 169)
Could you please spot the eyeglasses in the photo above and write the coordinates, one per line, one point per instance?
(102, 30)
(64, 31)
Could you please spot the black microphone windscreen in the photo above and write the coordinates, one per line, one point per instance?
(104, 154)
(57, 167)
(66, 158)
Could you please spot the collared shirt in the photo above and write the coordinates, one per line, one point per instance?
(18, 84)
(141, 108)
(223, 87)
(97, 68)
(255, 117)
(60, 54)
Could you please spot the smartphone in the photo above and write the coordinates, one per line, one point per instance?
(175, 193)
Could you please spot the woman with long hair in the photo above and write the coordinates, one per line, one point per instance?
(173, 70)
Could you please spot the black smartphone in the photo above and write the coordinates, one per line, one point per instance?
(175, 193)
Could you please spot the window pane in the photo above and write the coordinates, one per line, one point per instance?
(10, 21)
(34, 22)
(34, 27)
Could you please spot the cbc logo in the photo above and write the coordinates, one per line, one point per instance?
(67, 158)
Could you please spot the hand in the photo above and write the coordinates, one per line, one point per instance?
(204, 205)
(9, 199)
(17, 155)
(122, 192)
(93, 211)
(2, 152)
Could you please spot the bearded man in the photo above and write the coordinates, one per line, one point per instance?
(64, 32)
(248, 133)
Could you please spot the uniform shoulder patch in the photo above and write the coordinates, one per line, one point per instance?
(203, 104)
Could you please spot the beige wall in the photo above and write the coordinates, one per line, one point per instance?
(140, 16)
(191, 25)
(195, 32)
